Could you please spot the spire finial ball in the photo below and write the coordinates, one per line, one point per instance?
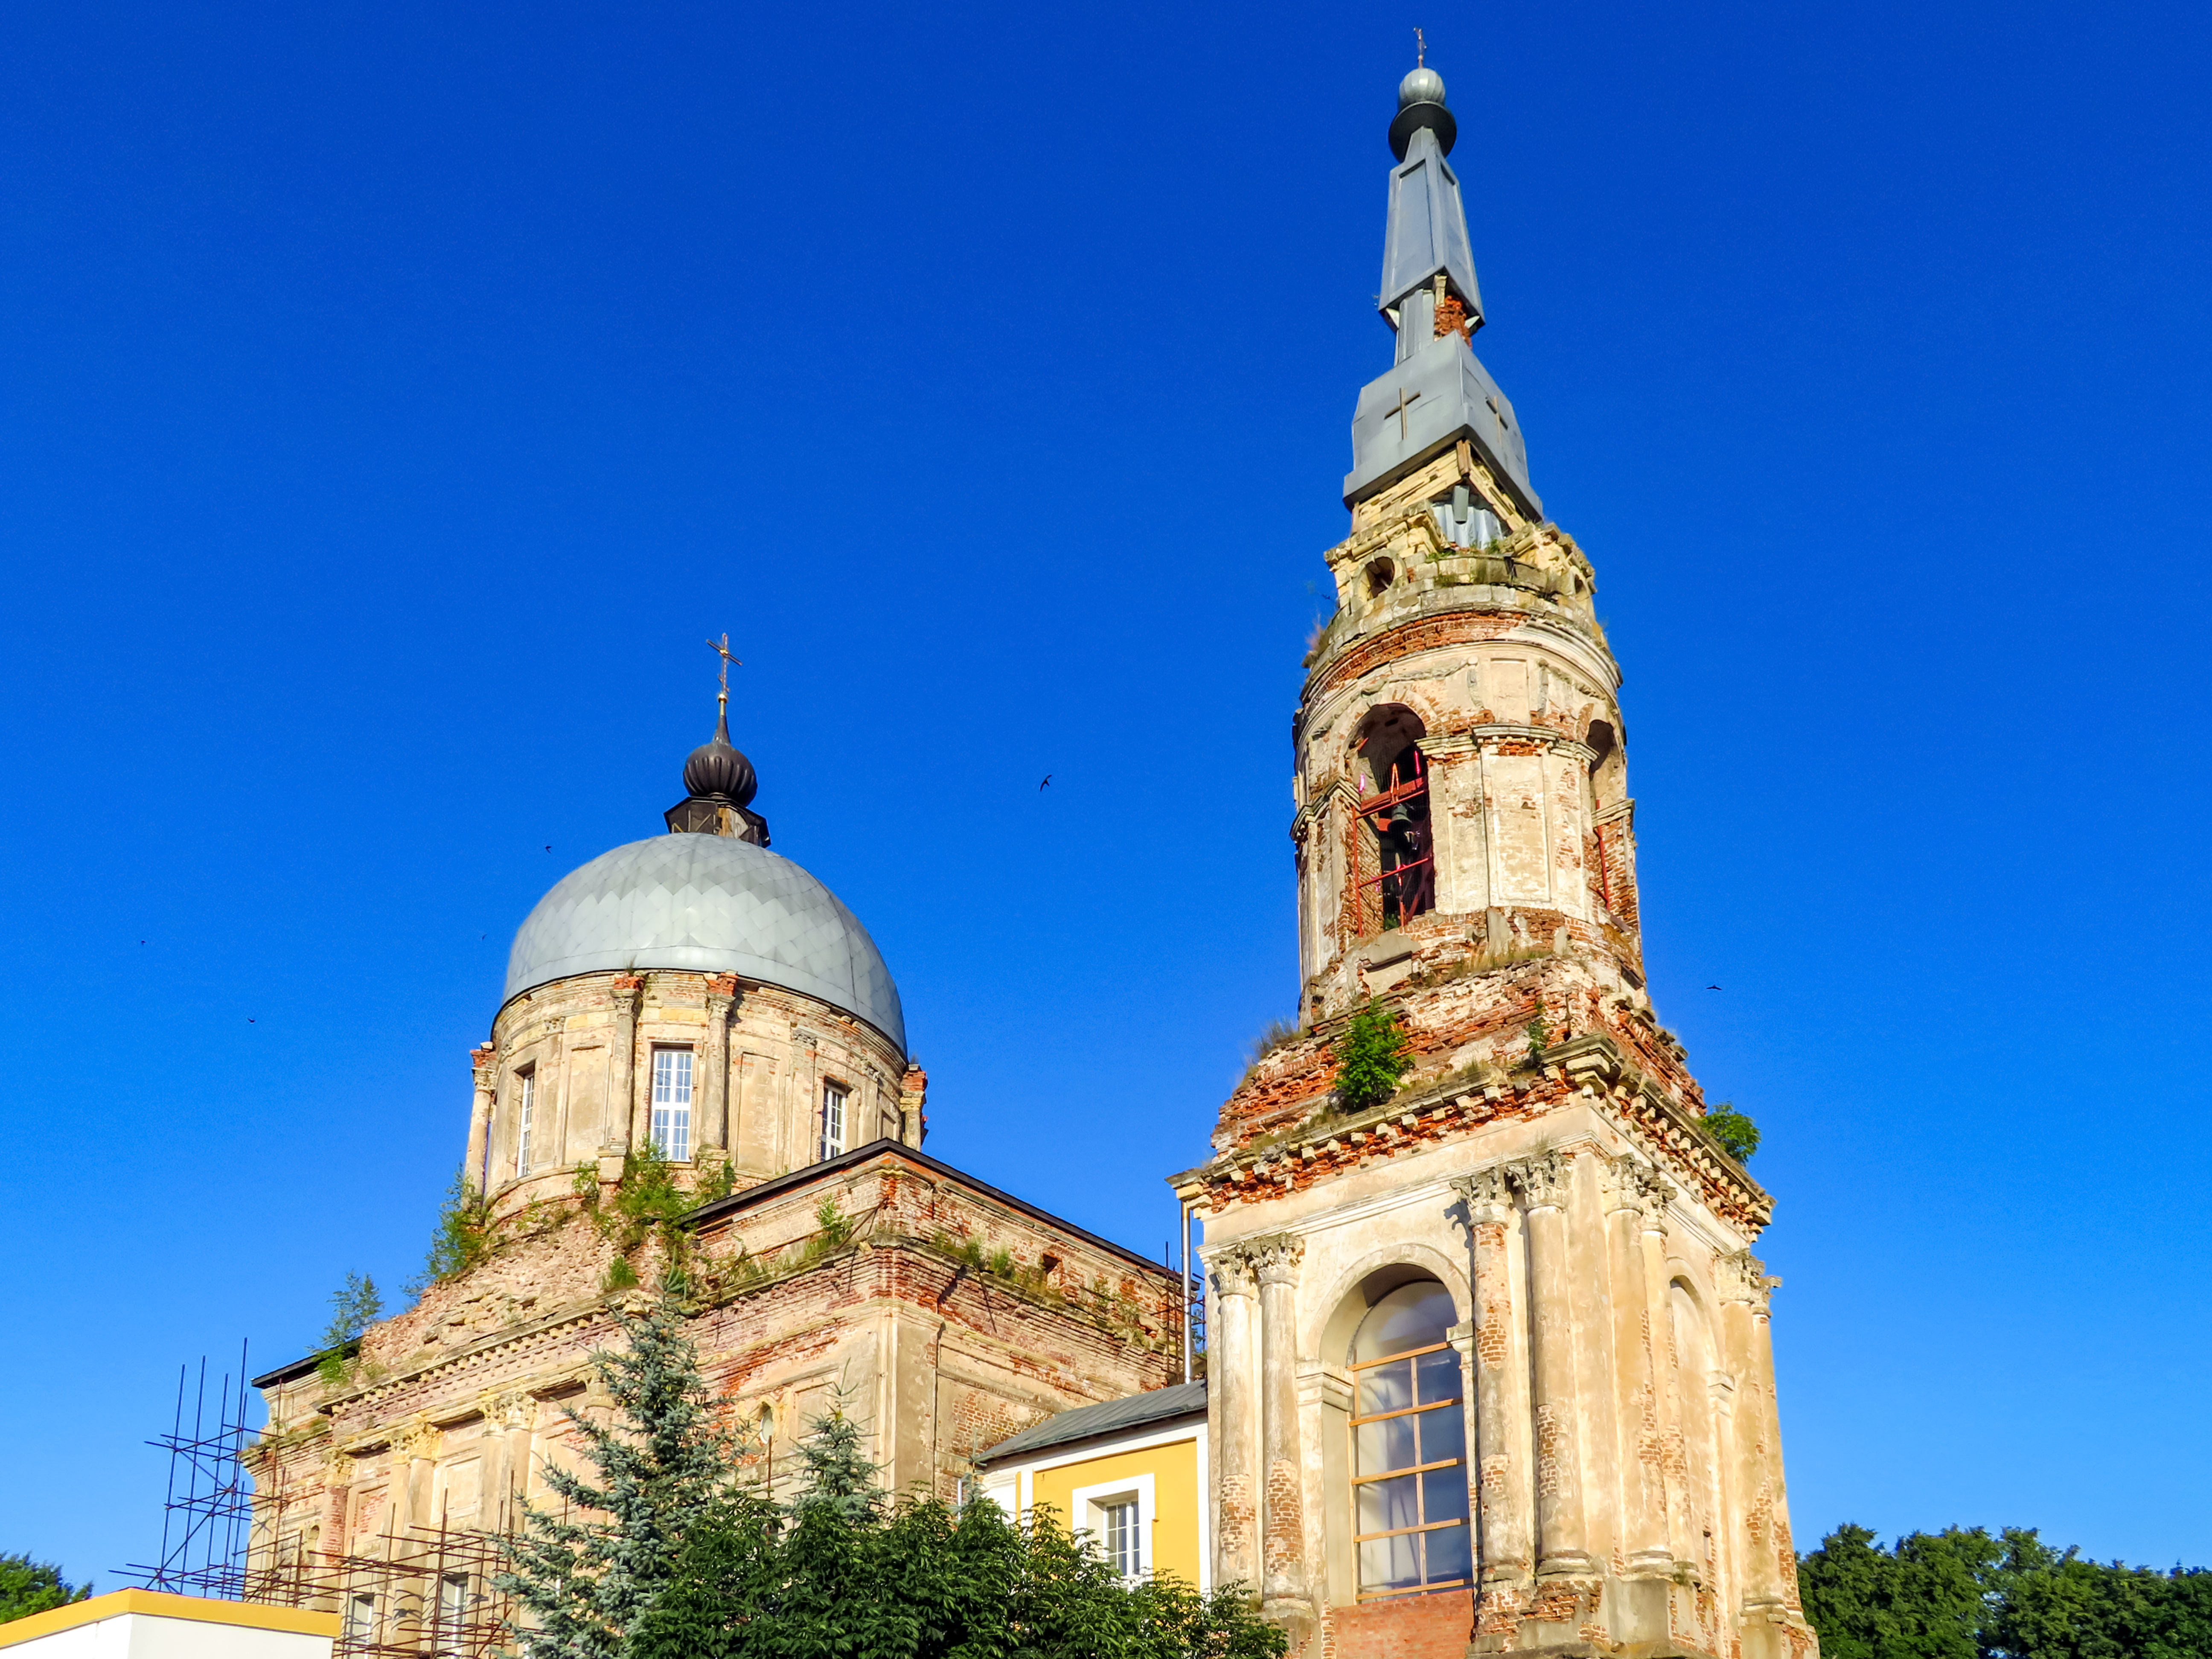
(1422, 86)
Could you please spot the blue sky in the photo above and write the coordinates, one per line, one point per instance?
(395, 396)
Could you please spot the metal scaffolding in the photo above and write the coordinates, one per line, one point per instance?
(420, 1592)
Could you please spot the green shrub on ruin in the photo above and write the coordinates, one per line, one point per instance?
(1737, 1134)
(1371, 1055)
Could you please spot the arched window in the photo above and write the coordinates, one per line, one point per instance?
(1409, 1483)
(1396, 875)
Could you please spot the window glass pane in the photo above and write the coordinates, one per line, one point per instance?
(1390, 1563)
(1385, 1388)
(1438, 1376)
(1444, 1433)
(1386, 1505)
(1449, 1552)
(1413, 1316)
(1386, 1445)
(1443, 1494)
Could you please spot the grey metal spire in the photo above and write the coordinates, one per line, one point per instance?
(1439, 392)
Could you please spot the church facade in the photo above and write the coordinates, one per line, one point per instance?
(1489, 1366)
(694, 1015)
(1489, 1360)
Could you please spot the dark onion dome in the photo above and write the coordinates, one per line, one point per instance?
(719, 772)
(1421, 103)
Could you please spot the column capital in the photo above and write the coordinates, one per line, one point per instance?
(1743, 1278)
(1275, 1258)
(1487, 1194)
(1635, 1186)
(1231, 1271)
(1542, 1181)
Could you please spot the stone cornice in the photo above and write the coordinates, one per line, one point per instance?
(1592, 1065)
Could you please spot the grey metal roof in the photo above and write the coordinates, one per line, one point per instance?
(711, 904)
(1427, 227)
(1110, 1417)
(1446, 393)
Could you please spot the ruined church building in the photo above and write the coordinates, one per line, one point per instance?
(1489, 1366)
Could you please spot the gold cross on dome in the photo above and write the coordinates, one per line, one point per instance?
(728, 661)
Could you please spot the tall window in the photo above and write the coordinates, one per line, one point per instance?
(833, 1119)
(1124, 1542)
(1409, 1487)
(360, 1618)
(526, 1107)
(671, 1103)
(453, 1611)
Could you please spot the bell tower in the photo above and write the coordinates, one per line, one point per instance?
(1490, 1367)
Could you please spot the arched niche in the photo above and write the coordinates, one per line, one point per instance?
(1344, 1304)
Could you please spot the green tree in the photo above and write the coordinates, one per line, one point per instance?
(1922, 1600)
(1737, 1134)
(1371, 1055)
(355, 1306)
(661, 1470)
(462, 1238)
(840, 1571)
(27, 1587)
(1961, 1594)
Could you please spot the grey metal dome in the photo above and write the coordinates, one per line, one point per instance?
(709, 904)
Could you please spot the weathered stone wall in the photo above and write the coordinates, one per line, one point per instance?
(1544, 1158)
(760, 1058)
(939, 1350)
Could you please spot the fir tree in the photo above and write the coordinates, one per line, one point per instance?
(27, 1587)
(1370, 1057)
(665, 1469)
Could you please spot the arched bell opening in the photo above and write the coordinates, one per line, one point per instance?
(1396, 878)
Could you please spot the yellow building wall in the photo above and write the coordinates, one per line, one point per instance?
(1173, 1469)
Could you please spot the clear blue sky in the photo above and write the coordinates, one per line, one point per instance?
(395, 396)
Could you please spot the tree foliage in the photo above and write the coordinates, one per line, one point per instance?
(27, 1587)
(1737, 1134)
(461, 1238)
(1962, 1594)
(585, 1580)
(842, 1573)
(662, 1554)
(1371, 1055)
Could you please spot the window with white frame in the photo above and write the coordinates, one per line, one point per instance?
(1118, 1516)
(525, 1108)
(833, 1120)
(361, 1618)
(671, 1103)
(453, 1611)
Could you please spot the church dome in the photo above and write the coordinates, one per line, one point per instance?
(708, 904)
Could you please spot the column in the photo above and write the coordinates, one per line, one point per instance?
(1743, 1290)
(1783, 1548)
(1229, 1363)
(1630, 1187)
(484, 1070)
(1282, 1537)
(518, 1420)
(623, 1131)
(1659, 1298)
(422, 1468)
(1562, 1543)
(1502, 1513)
(714, 1129)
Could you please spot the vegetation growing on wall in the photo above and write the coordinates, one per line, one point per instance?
(1371, 1055)
(1737, 1134)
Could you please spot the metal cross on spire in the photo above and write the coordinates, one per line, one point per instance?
(1421, 50)
(728, 663)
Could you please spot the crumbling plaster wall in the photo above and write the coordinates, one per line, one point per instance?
(760, 1057)
(461, 1397)
(1667, 1450)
